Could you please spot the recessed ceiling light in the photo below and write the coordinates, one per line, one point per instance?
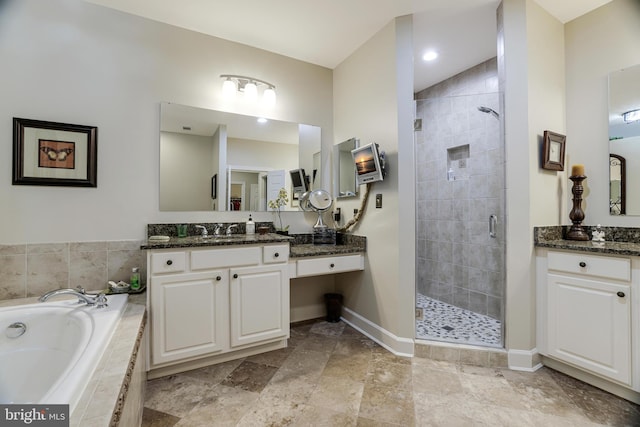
(430, 55)
(262, 120)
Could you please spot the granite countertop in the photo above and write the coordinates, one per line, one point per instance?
(311, 250)
(234, 239)
(301, 245)
(614, 248)
(618, 240)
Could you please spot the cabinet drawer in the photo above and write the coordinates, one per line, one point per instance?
(590, 265)
(329, 265)
(167, 262)
(275, 253)
(221, 258)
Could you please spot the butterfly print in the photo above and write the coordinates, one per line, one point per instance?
(59, 155)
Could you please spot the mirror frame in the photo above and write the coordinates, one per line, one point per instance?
(616, 160)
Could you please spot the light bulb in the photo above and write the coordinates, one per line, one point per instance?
(269, 97)
(430, 55)
(250, 91)
(229, 89)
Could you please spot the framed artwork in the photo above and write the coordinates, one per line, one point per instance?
(49, 153)
(214, 187)
(553, 151)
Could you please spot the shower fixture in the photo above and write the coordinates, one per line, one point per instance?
(489, 110)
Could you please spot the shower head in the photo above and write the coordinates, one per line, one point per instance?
(489, 110)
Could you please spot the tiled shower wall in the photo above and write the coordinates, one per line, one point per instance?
(458, 262)
(33, 269)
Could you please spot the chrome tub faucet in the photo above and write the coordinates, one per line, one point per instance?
(99, 300)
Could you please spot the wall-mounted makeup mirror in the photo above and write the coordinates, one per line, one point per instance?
(344, 169)
(215, 160)
(624, 139)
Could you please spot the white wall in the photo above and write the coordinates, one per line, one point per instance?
(73, 62)
(377, 107)
(598, 43)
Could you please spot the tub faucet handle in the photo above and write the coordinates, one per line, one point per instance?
(101, 300)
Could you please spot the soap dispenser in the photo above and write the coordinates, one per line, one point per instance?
(250, 226)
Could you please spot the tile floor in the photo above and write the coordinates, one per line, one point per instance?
(331, 375)
(446, 322)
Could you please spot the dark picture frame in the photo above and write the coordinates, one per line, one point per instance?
(214, 187)
(553, 148)
(50, 153)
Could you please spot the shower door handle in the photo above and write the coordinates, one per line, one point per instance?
(493, 221)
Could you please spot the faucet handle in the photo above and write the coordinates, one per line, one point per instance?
(203, 229)
(229, 228)
(101, 300)
(218, 229)
(80, 289)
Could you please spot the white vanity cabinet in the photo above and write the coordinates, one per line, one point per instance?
(215, 301)
(586, 315)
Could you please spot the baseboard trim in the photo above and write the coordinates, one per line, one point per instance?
(397, 345)
(524, 360)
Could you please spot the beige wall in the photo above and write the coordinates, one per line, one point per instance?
(73, 62)
(532, 41)
(186, 170)
(598, 43)
(377, 107)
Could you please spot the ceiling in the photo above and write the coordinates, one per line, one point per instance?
(326, 32)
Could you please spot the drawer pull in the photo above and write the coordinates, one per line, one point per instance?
(276, 255)
(169, 262)
(218, 278)
(620, 294)
(583, 264)
(235, 276)
(332, 265)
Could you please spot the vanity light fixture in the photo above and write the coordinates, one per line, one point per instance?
(631, 116)
(248, 86)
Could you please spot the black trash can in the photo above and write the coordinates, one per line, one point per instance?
(334, 307)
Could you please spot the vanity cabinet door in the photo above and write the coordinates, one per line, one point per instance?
(189, 315)
(589, 325)
(259, 304)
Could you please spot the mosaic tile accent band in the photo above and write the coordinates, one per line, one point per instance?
(446, 322)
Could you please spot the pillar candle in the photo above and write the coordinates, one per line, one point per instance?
(577, 170)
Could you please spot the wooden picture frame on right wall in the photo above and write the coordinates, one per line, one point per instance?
(553, 151)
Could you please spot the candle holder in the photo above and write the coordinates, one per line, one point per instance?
(577, 231)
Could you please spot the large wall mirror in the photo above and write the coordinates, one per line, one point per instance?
(215, 160)
(624, 141)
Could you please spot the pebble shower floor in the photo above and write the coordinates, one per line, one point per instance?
(446, 322)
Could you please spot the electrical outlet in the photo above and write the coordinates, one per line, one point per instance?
(419, 313)
(378, 201)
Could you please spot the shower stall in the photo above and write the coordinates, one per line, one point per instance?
(460, 199)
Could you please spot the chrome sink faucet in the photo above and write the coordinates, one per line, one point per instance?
(230, 228)
(218, 230)
(203, 232)
(99, 300)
